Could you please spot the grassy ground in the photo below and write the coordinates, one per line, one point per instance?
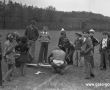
(73, 79)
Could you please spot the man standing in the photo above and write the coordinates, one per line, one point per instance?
(32, 35)
(78, 43)
(103, 51)
(95, 42)
(87, 52)
(44, 38)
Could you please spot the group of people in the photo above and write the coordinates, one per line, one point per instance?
(83, 46)
(16, 54)
(19, 50)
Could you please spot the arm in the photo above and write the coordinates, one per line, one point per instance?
(36, 33)
(59, 43)
(95, 41)
(26, 31)
(50, 58)
(90, 46)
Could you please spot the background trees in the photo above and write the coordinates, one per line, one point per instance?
(18, 16)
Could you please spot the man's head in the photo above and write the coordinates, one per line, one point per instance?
(45, 28)
(10, 37)
(33, 22)
(63, 32)
(85, 34)
(105, 35)
(91, 32)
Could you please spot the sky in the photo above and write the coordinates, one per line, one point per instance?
(96, 6)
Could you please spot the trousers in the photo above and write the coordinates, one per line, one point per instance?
(88, 65)
(43, 52)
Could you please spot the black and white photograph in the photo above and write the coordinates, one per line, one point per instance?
(54, 45)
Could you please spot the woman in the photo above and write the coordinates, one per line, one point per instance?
(9, 53)
(23, 55)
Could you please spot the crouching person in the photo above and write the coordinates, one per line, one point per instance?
(57, 60)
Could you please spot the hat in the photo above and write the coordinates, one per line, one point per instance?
(78, 34)
(85, 32)
(62, 29)
(92, 30)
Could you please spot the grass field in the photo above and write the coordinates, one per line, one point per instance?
(73, 77)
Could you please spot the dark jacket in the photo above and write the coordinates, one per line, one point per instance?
(78, 43)
(94, 41)
(87, 47)
(63, 43)
(32, 32)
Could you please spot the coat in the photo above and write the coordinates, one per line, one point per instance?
(87, 47)
(32, 32)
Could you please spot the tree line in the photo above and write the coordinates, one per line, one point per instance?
(17, 16)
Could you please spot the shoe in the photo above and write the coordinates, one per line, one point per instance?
(92, 75)
(87, 77)
(102, 68)
(1, 86)
(61, 73)
(3, 81)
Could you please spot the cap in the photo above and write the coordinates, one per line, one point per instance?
(92, 30)
(62, 29)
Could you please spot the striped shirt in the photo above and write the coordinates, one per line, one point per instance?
(44, 37)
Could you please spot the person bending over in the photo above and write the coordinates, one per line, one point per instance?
(57, 60)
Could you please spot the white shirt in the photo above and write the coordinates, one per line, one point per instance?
(104, 43)
(84, 39)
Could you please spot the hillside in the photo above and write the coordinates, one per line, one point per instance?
(18, 16)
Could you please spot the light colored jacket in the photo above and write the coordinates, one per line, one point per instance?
(9, 51)
(44, 37)
(58, 54)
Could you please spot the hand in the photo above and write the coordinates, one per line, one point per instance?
(5, 59)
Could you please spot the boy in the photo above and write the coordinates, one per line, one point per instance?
(78, 43)
(103, 51)
(44, 38)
